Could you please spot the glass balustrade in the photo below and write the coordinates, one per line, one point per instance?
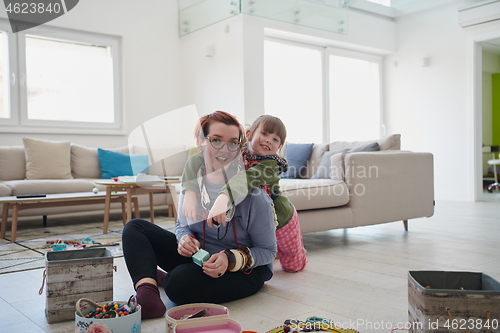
(197, 14)
(329, 15)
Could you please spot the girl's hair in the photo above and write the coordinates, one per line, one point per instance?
(270, 124)
(202, 126)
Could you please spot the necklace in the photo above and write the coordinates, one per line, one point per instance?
(207, 204)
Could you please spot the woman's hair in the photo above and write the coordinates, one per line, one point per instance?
(270, 124)
(202, 126)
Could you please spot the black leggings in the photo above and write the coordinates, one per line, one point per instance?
(146, 246)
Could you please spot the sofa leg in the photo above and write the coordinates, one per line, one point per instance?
(405, 222)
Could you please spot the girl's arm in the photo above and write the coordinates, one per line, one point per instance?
(241, 184)
(190, 186)
(190, 173)
(244, 182)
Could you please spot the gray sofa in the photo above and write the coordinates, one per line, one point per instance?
(78, 173)
(364, 188)
(361, 188)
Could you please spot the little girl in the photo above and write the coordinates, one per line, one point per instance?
(263, 166)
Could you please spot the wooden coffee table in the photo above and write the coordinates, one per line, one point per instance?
(132, 190)
(59, 200)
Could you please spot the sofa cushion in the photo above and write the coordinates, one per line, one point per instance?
(84, 161)
(372, 146)
(12, 163)
(316, 155)
(49, 186)
(116, 164)
(5, 191)
(47, 159)
(297, 155)
(315, 193)
(337, 167)
(391, 142)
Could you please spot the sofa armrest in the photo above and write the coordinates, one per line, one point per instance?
(389, 186)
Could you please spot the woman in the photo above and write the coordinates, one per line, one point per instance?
(240, 252)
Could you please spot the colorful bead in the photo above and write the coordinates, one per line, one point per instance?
(103, 311)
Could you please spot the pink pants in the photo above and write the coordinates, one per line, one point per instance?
(291, 250)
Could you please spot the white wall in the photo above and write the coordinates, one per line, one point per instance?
(215, 83)
(151, 61)
(428, 105)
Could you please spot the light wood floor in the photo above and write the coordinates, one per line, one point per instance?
(356, 276)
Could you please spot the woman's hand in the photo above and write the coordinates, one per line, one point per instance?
(216, 266)
(188, 246)
(190, 206)
(218, 211)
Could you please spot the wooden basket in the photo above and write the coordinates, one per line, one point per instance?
(440, 302)
(74, 274)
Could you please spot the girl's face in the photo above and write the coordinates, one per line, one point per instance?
(220, 133)
(262, 143)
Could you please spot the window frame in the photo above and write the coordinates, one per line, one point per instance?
(324, 66)
(328, 50)
(12, 66)
(19, 122)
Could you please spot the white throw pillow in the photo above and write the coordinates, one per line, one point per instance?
(47, 159)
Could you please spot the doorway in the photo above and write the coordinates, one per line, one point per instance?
(490, 92)
(486, 36)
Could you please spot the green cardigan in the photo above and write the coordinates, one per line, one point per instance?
(266, 172)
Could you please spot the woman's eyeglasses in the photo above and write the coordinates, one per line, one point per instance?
(218, 143)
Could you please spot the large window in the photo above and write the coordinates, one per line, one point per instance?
(59, 81)
(293, 88)
(322, 94)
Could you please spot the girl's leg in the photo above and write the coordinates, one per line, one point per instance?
(291, 250)
(188, 284)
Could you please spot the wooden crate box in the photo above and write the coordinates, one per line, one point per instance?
(444, 302)
(75, 274)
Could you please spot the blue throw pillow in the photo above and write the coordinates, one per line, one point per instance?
(115, 164)
(297, 155)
